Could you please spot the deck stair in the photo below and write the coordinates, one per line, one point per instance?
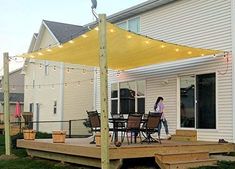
(185, 135)
(183, 160)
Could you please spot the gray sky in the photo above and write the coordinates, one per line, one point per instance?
(21, 18)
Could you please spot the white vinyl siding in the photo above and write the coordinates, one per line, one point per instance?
(205, 24)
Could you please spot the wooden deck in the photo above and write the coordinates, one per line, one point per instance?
(81, 152)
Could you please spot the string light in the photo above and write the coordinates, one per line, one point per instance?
(13, 87)
(71, 41)
(129, 36)
(84, 71)
(189, 52)
(111, 30)
(40, 53)
(96, 28)
(49, 50)
(60, 46)
(118, 74)
(163, 46)
(84, 36)
(177, 50)
(147, 42)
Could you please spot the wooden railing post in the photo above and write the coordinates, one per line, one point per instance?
(6, 104)
(104, 93)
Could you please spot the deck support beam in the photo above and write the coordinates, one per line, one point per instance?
(104, 93)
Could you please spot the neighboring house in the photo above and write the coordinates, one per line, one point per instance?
(197, 92)
(50, 89)
(16, 91)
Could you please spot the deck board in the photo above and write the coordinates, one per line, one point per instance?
(80, 147)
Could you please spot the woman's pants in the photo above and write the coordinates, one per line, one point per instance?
(165, 126)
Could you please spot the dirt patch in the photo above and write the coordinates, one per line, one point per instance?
(8, 157)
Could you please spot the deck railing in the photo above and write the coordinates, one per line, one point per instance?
(73, 128)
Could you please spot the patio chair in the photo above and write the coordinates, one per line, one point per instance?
(133, 126)
(94, 119)
(151, 126)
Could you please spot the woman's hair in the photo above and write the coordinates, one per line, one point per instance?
(158, 100)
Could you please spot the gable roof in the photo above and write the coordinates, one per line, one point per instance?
(64, 32)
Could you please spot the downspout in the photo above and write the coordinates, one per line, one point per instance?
(233, 64)
(61, 96)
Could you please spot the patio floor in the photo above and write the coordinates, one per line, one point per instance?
(78, 150)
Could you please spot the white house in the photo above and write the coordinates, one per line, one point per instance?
(50, 87)
(197, 93)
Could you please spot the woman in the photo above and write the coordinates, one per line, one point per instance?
(159, 107)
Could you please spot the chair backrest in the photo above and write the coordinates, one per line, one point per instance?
(153, 120)
(117, 116)
(134, 121)
(94, 118)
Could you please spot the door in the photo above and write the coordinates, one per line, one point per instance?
(187, 101)
(198, 101)
(206, 101)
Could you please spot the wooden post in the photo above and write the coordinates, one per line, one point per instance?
(104, 93)
(6, 104)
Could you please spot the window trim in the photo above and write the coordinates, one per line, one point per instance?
(127, 23)
(136, 97)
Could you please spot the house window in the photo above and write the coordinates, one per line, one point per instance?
(55, 107)
(31, 107)
(198, 101)
(132, 24)
(128, 97)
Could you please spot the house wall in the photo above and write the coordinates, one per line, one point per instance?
(205, 24)
(45, 94)
(78, 96)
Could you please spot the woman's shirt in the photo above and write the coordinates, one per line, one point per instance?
(159, 109)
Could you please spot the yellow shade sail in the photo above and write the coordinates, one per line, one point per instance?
(125, 50)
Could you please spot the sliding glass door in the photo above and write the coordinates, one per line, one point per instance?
(198, 101)
(187, 101)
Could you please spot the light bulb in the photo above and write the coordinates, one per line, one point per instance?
(60, 46)
(84, 36)
(71, 41)
(163, 46)
(177, 50)
(49, 50)
(40, 53)
(129, 36)
(189, 52)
